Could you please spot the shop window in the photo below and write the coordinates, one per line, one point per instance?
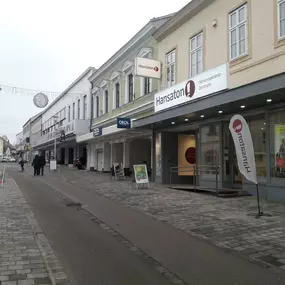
(281, 19)
(210, 149)
(196, 55)
(170, 68)
(258, 134)
(238, 32)
(277, 147)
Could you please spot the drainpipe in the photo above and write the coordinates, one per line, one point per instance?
(92, 109)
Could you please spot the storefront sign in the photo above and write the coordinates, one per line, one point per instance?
(206, 83)
(146, 67)
(141, 175)
(123, 123)
(244, 147)
(97, 132)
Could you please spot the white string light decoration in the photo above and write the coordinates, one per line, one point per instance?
(40, 98)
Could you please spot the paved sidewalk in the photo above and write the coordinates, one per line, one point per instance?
(26, 257)
(223, 222)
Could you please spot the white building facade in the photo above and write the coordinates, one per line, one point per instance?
(69, 113)
(118, 93)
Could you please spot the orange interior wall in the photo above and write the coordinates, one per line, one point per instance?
(184, 142)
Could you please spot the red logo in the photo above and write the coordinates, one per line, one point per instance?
(280, 162)
(190, 88)
(190, 155)
(237, 126)
(156, 68)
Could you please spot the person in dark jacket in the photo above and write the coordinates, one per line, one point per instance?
(36, 165)
(42, 164)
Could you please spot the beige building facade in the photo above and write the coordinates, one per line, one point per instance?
(220, 58)
(244, 33)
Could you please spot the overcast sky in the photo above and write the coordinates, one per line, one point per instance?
(46, 45)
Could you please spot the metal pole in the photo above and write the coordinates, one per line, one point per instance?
(258, 203)
(55, 149)
(194, 178)
(217, 179)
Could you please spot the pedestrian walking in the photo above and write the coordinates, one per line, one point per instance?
(21, 162)
(36, 165)
(42, 164)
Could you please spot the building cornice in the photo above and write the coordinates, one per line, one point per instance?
(181, 17)
(146, 30)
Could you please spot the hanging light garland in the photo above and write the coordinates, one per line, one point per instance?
(40, 98)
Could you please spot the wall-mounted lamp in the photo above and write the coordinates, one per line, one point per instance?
(215, 23)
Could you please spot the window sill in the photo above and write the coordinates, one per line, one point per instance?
(240, 60)
(280, 42)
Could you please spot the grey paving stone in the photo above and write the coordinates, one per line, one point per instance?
(21, 257)
(224, 222)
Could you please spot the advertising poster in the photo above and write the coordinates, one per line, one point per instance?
(280, 149)
(141, 176)
(158, 155)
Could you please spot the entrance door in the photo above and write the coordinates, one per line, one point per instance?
(232, 178)
(62, 159)
(70, 155)
(99, 159)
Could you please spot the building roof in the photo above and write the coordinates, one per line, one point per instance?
(181, 17)
(149, 28)
(93, 69)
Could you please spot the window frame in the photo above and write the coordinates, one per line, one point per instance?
(84, 107)
(196, 50)
(168, 66)
(279, 3)
(78, 109)
(73, 111)
(97, 104)
(117, 99)
(106, 100)
(236, 27)
(147, 85)
(130, 86)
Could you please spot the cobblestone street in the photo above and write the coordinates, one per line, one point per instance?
(226, 223)
(26, 257)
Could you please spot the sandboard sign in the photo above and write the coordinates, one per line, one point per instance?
(141, 176)
(245, 152)
(52, 165)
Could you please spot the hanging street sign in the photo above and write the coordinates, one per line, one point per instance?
(97, 132)
(123, 123)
